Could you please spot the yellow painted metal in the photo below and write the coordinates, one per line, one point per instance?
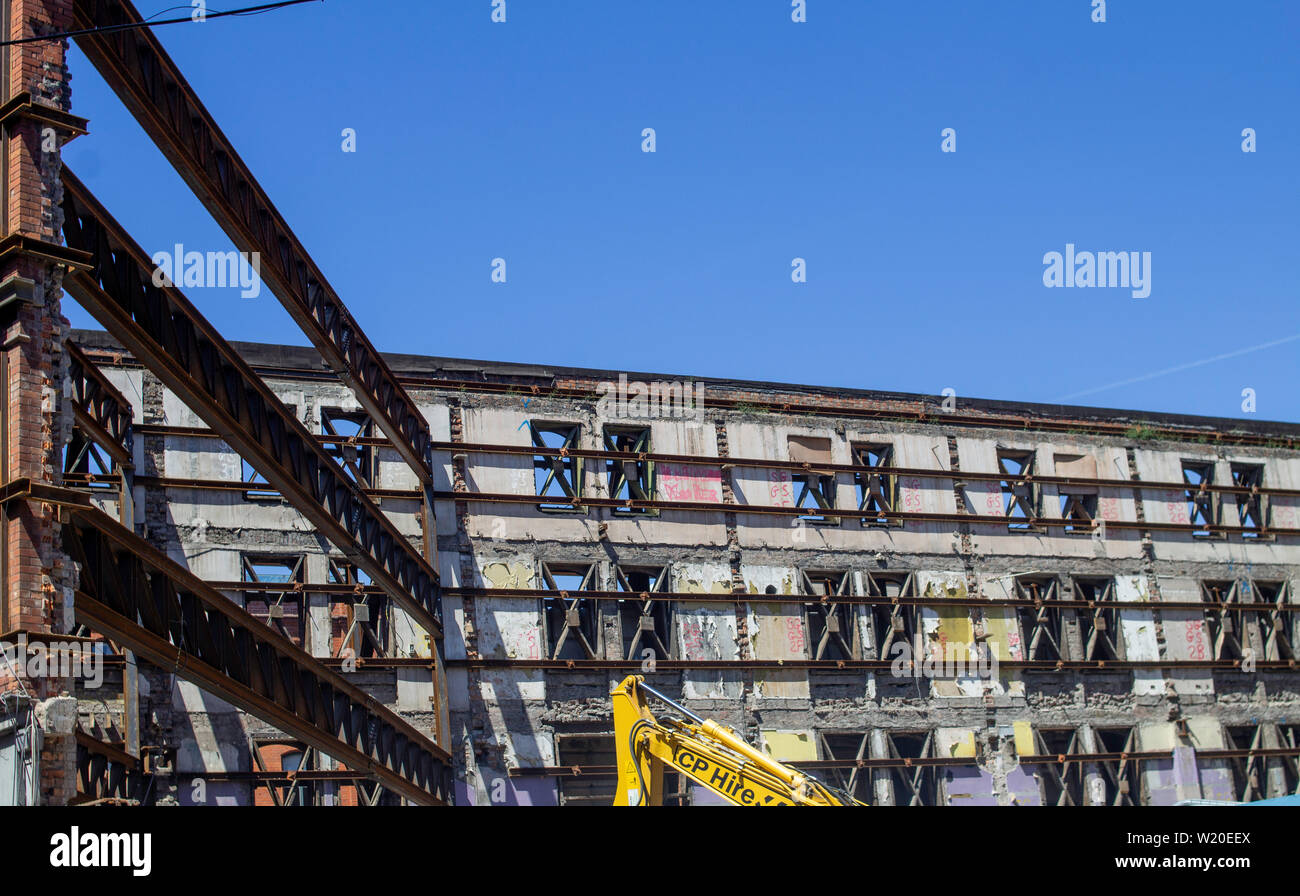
(708, 753)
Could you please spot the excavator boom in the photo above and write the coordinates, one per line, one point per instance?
(708, 753)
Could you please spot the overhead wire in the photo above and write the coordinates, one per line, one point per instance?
(149, 23)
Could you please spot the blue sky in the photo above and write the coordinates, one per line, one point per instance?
(775, 140)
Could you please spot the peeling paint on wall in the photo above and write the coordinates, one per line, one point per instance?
(706, 632)
(790, 746)
(1139, 629)
(776, 631)
(1185, 636)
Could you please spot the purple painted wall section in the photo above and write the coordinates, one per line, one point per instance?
(1161, 786)
(1170, 780)
(1216, 780)
(1023, 787)
(517, 792)
(702, 796)
(969, 787)
(1186, 779)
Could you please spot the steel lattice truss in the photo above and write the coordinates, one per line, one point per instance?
(136, 596)
(161, 328)
(135, 65)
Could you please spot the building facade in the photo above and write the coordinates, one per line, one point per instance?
(925, 600)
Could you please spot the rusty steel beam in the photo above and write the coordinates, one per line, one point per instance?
(107, 772)
(144, 77)
(606, 771)
(163, 329)
(1039, 666)
(136, 596)
(100, 410)
(1134, 485)
(1023, 524)
(231, 485)
(829, 600)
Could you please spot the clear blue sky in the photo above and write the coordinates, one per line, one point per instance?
(775, 140)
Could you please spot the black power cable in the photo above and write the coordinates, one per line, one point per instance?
(127, 26)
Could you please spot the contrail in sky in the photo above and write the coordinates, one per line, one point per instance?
(1169, 370)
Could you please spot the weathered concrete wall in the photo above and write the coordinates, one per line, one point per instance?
(508, 718)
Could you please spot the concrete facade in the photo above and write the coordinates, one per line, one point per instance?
(521, 722)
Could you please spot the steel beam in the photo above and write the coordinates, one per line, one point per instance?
(133, 594)
(144, 77)
(1036, 666)
(161, 328)
(106, 772)
(100, 410)
(1133, 485)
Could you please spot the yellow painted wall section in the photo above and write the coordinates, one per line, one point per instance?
(963, 746)
(790, 746)
(954, 628)
(1002, 630)
(1024, 734)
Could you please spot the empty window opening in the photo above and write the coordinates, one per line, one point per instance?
(1249, 773)
(1279, 625)
(1061, 781)
(359, 622)
(895, 623)
(833, 632)
(1228, 627)
(1078, 502)
(877, 487)
(1202, 504)
(1079, 510)
(345, 431)
(596, 751)
(85, 464)
(1099, 627)
(1288, 738)
(814, 488)
(646, 623)
(1020, 494)
(1119, 775)
(630, 479)
(572, 623)
(914, 785)
(1252, 507)
(851, 746)
(557, 476)
(282, 610)
(1043, 623)
(252, 477)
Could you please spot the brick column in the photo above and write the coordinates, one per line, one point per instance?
(37, 576)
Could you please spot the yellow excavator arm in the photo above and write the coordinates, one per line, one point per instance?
(708, 753)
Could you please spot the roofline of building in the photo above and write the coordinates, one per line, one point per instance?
(306, 360)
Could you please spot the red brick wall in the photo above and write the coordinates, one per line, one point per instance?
(37, 571)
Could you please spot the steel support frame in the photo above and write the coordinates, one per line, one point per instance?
(108, 773)
(163, 329)
(1131, 485)
(132, 593)
(99, 408)
(138, 69)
